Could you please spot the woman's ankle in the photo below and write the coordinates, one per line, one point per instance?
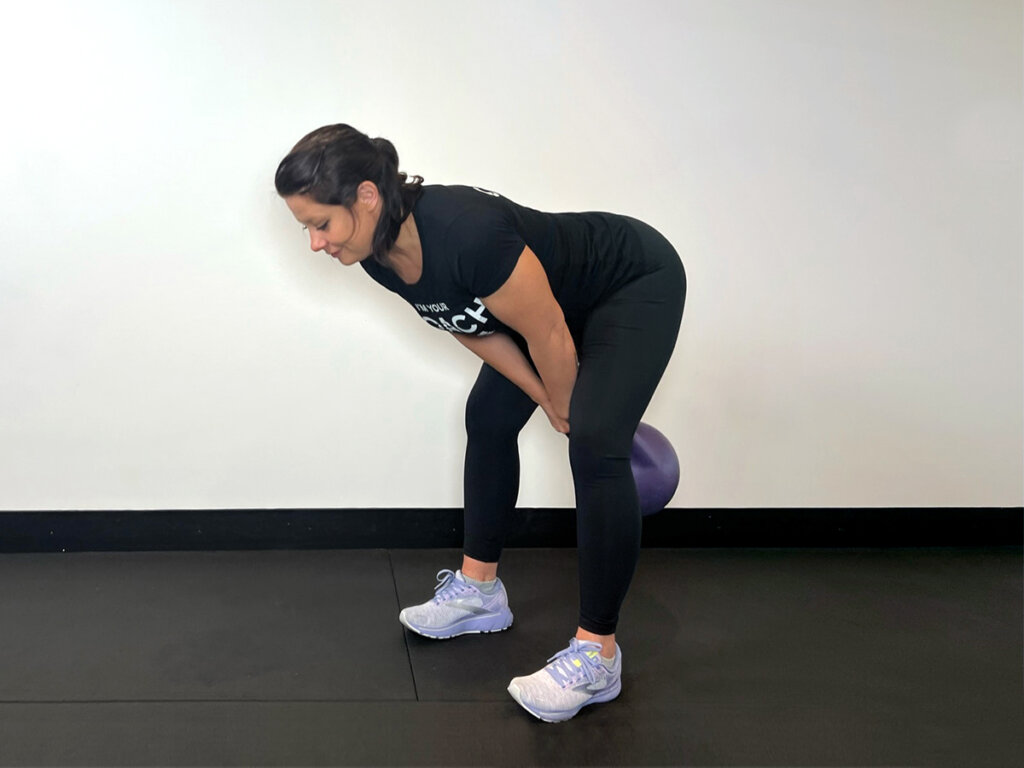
(478, 569)
(607, 642)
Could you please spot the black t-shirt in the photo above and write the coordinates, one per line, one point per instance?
(472, 239)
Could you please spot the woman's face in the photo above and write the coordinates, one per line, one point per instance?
(345, 234)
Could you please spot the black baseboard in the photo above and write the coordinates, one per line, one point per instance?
(93, 531)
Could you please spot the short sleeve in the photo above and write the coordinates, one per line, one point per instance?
(485, 247)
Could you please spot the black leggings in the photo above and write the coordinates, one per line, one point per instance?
(623, 347)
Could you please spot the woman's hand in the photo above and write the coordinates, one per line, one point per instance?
(559, 423)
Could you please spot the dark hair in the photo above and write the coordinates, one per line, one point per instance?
(330, 163)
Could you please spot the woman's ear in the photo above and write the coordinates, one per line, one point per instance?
(368, 195)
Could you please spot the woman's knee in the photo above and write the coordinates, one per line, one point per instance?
(491, 417)
(597, 449)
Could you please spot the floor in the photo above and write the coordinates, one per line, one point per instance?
(753, 657)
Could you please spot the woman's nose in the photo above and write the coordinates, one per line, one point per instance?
(317, 242)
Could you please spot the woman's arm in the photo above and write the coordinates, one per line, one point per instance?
(525, 304)
(505, 356)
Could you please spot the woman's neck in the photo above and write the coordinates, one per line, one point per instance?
(406, 255)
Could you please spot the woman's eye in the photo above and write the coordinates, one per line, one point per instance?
(323, 227)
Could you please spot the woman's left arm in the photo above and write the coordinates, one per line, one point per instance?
(525, 304)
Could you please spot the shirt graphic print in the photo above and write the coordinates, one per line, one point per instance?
(474, 319)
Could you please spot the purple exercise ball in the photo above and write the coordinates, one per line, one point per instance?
(655, 469)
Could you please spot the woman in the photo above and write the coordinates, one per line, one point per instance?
(577, 313)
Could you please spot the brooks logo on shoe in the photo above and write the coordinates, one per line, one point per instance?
(594, 687)
(476, 605)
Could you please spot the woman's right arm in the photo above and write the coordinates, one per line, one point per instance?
(504, 355)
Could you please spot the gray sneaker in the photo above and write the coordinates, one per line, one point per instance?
(458, 608)
(573, 679)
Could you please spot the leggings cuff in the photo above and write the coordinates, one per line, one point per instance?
(598, 627)
(483, 555)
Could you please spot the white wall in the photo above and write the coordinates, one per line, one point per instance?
(842, 178)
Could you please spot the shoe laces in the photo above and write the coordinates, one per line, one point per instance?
(578, 660)
(448, 587)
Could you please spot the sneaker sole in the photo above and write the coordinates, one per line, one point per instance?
(611, 692)
(469, 626)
